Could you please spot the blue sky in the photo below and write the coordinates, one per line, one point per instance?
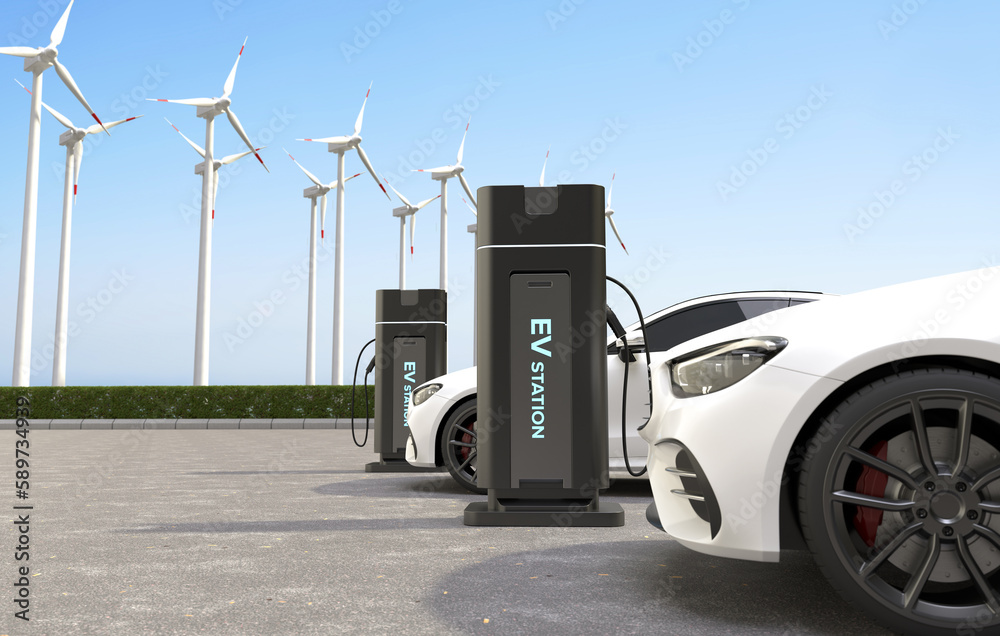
(748, 138)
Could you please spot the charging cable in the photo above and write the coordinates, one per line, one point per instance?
(619, 331)
(354, 385)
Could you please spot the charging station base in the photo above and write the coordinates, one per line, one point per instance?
(607, 515)
(398, 466)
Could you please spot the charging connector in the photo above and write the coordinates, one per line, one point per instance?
(354, 385)
(628, 358)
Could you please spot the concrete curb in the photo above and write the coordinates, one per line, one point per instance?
(186, 424)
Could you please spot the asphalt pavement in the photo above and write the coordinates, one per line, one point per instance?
(282, 532)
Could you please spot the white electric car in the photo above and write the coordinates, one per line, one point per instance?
(442, 416)
(867, 424)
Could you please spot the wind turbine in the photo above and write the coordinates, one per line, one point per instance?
(318, 191)
(407, 210)
(442, 174)
(608, 211)
(209, 109)
(37, 61)
(474, 231)
(73, 140)
(341, 145)
(216, 165)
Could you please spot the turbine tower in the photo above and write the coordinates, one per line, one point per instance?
(36, 62)
(407, 210)
(341, 145)
(318, 191)
(209, 109)
(442, 174)
(73, 140)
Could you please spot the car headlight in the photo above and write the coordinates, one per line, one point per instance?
(423, 393)
(721, 366)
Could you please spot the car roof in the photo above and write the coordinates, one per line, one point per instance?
(739, 295)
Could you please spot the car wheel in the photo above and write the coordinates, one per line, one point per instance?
(458, 446)
(899, 500)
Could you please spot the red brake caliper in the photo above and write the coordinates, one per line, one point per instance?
(872, 483)
(465, 451)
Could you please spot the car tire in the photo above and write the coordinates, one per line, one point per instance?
(924, 447)
(458, 446)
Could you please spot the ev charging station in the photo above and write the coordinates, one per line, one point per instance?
(542, 368)
(411, 347)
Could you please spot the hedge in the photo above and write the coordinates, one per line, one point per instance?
(164, 402)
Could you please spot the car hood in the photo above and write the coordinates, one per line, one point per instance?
(842, 336)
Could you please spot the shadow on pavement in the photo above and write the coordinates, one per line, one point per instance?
(624, 587)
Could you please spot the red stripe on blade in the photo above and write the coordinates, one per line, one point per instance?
(74, 189)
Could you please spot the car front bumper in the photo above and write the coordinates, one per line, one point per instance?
(716, 462)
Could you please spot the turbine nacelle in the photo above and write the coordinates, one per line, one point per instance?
(71, 137)
(349, 143)
(403, 211)
(446, 172)
(45, 59)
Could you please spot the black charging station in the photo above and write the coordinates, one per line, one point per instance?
(411, 347)
(542, 370)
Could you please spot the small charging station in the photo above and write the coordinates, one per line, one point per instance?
(542, 370)
(411, 346)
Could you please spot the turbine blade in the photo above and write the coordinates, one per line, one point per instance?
(201, 102)
(60, 29)
(422, 204)
(468, 190)
(472, 209)
(311, 176)
(541, 179)
(198, 149)
(434, 170)
(67, 79)
(62, 119)
(243, 135)
(77, 162)
(358, 174)
(225, 161)
(231, 80)
(322, 218)
(413, 229)
(329, 140)
(401, 197)
(19, 51)
(215, 192)
(361, 115)
(461, 147)
(611, 189)
(96, 129)
(368, 164)
(617, 235)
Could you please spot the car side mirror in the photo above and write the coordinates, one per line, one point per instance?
(636, 344)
